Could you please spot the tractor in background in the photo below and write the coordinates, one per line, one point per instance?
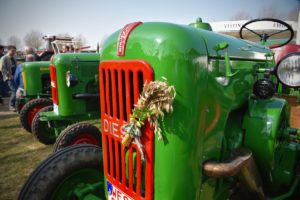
(36, 79)
(37, 91)
(75, 96)
(228, 136)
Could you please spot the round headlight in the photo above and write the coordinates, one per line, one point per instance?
(71, 79)
(288, 70)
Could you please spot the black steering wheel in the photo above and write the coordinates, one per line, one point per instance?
(263, 36)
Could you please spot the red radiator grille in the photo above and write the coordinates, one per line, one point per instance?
(121, 82)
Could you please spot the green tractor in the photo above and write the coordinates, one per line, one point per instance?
(228, 137)
(75, 96)
(36, 79)
(37, 91)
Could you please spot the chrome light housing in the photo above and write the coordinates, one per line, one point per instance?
(71, 79)
(288, 70)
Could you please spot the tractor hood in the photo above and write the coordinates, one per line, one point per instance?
(38, 65)
(35, 77)
(72, 58)
(165, 39)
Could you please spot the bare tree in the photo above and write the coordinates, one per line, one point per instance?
(15, 41)
(63, 35)
(100, 44)
(242, 15)
(80, 41)
(34, 39)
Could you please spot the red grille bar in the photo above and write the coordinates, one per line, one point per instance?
(53, 84)
(120, 85)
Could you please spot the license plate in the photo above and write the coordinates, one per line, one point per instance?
(115, 193)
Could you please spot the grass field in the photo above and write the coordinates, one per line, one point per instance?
(20, 153)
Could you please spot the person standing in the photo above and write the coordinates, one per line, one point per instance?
(7, 67)
(30, 55)
(65, 49)
(1, 51)
(1, 79)
(19, 82)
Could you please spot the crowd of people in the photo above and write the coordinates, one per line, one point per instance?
(11, 74)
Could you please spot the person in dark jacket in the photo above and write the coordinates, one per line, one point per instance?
(19, 82)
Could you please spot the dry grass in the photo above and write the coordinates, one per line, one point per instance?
(20, 153)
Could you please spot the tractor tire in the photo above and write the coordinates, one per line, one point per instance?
(30, 109)
(79, 133)
(40, 129)
(63, 174)
(19, 107)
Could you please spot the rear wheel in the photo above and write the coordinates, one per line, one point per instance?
(80, 133)
(41, 130)
(30, 109)
(75, 172)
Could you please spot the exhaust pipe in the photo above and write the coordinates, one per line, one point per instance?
(242, 164)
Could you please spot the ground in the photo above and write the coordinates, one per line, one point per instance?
(20, 153)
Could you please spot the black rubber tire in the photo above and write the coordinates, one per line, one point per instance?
(71, 133)
(43, 181)
(28, 107)
(40, 128)
(19, 107)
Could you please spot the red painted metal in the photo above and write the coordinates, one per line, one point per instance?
(32, 112)
(284, 50)
(123, 37)
(53, 84)
(85, 138)
(120, 85)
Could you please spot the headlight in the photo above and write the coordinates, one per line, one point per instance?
(71, 79)
(288, 70)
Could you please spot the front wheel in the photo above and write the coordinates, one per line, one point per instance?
(75, 172)
(41, 129)
(30, 109)
(79, 133)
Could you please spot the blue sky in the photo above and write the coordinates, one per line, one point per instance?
(95, 19)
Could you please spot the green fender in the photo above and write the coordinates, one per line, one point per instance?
(264, 125)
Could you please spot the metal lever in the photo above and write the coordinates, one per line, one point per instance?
(224, 46)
